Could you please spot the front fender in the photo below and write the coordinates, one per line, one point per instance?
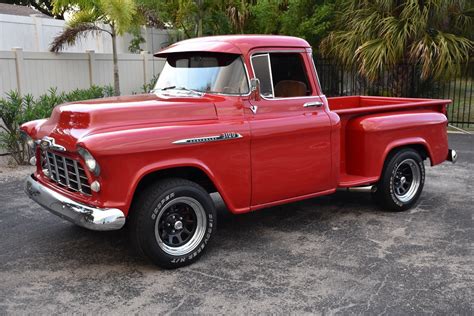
(171, 164)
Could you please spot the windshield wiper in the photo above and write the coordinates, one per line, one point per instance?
(180, 88)
(168, 88)
(162, 89)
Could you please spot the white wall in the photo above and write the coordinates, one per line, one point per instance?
(35, 72)
(34, 33)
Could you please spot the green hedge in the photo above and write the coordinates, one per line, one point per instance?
(16, 110)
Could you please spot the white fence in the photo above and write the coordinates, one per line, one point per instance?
(34, 33)
(35, 72)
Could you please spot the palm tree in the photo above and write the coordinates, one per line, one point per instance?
(436, 35)
(90, 16)
(238, 13)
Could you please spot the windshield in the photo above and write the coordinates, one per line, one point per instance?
(203, 72)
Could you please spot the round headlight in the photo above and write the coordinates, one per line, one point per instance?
(91, 163)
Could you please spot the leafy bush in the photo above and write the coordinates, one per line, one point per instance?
(147, 87)
(16, 110)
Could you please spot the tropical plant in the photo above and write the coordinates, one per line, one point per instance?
(309, 19)
(113, 17)
(136, 41)
(16, 109)
(193, 17)
(436, 35)
(147, 87)
(238, 13)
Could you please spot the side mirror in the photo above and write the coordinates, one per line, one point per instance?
(255, 89)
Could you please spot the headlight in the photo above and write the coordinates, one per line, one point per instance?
(91, 163)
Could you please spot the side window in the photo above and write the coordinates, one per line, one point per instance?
(281, 75)
(262, 70)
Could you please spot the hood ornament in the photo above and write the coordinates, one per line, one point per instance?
(50, 143)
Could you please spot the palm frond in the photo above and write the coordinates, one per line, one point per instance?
(59, 5)
(374, 55)
(372, 35)
(83, 16)
(71, 34)
(442, 55)
(119, 13)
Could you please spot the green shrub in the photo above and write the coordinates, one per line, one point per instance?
(147, 87)
(16, 110)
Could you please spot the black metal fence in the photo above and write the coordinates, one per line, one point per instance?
(404, 81)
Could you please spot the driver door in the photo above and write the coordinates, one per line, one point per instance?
(290, 131)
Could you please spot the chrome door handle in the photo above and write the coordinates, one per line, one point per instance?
(313, 104)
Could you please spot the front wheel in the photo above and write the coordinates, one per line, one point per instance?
(402, 180)
(172, 222)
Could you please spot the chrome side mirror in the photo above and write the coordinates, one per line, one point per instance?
(255, 89)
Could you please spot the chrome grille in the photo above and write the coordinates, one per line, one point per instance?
(65, 171)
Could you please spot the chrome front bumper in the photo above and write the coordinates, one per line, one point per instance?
(80, 214)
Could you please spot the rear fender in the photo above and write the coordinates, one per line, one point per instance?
(370, 139)
(409, 142)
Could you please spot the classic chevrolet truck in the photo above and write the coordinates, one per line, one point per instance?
(243, 116)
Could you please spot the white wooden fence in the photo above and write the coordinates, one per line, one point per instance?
(35, 72)
(34, 33)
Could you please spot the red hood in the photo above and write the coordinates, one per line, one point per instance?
(72, 121)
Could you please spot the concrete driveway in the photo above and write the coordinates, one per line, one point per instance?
(338, 254)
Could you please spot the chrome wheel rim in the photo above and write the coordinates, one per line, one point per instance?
(180, 226)
(406, 180)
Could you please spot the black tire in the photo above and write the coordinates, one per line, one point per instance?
(154, 218)
(402, 180)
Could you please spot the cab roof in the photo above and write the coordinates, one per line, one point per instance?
(232, 44)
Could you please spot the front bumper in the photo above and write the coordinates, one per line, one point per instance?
(80, 214)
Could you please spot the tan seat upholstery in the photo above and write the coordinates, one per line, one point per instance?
(290, 88)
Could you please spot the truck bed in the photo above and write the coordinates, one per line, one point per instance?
(371, 104)
(404, 118)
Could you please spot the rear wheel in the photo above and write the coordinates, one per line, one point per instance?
(172, 222)
(402, 180)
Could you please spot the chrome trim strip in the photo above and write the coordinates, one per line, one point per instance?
(289, 50)
(80, 214)
(310, 56)
(207, 139)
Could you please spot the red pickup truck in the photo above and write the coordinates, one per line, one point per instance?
(240, 115)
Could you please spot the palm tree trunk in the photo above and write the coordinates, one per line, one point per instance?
(403, 80)
(115, 62)
(199, 18)
(199, 31)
